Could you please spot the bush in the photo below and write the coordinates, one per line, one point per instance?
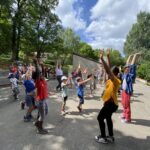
(144, 70)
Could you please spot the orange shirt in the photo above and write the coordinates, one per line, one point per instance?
(111, 90)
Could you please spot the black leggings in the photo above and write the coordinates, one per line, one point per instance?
(59, 82)
(105, 113)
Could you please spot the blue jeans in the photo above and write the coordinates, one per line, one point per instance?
(42, 109)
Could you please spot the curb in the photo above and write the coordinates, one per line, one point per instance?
(141, 80)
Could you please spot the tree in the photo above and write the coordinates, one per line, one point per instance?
(29, 25)
(138, 39)
(41, 26)
(5, 28)
(116, 59)
(70, 44)
(86, 50)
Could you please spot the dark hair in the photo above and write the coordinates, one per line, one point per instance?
(90, 75)
(115, 70)
(78, 79)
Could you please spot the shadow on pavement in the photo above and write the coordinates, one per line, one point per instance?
(141, 122)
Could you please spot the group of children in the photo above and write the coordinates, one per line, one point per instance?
(37, 92)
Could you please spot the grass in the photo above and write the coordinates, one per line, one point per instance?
(148, 83)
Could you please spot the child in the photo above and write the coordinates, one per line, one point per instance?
(30, 94)
(80, 90)
(42, 95)
(14, 85)
(64, 87)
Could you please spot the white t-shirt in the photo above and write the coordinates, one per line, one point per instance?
(14, 83)
(124, 84)
(64, 90)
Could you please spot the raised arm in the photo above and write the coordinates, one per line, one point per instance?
(108, 58)
(85, 81)
(107, 68)
(78, 68)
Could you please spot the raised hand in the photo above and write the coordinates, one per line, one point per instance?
(108, 52)
(101, 54)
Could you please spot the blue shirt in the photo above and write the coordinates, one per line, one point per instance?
(29, 85)
(80, 90)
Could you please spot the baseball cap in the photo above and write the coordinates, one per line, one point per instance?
(63, 78)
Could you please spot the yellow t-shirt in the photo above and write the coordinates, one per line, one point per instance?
(111, 90)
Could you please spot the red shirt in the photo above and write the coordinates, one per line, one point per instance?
(13, 69)
(42, 90)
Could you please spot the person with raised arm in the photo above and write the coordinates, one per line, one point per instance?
(110, 103)
(59, 74)
(80, 85)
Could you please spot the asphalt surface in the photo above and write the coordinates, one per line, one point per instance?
(74, 131)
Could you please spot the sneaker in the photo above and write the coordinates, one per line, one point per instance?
(97, 137)
(100, 139)
(63, 112)
(125, 121)
(90, 95)
(31, 117)
(42, 131)
(27, 119)
(121, 117)
(110, 139)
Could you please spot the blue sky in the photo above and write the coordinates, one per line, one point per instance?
(101, 23)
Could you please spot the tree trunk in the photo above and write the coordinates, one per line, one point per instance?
(18, 42)
(38, 54)
(14, 46)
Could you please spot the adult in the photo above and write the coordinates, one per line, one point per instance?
(59, 74)
(127, 90)
(110, 103)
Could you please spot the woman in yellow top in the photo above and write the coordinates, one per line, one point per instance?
(110, 102)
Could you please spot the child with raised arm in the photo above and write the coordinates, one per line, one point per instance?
(64, 86)
(80, 90)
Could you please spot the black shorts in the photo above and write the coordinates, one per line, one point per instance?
(65, 98)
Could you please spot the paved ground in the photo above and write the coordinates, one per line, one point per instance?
(3, 78)
(75, 131)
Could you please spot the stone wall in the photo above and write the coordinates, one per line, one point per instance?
(90, 64)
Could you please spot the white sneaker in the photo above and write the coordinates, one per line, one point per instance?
(91, 96)
(121, 117)
(63, 112)
(125, 121)
(100, 139)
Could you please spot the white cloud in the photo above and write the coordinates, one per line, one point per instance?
(111, 21)
(69, 16)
